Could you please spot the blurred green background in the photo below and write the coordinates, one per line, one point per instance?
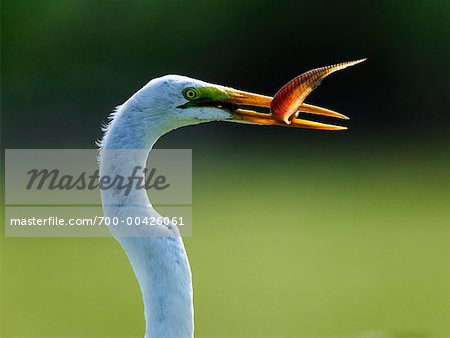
(296, 233)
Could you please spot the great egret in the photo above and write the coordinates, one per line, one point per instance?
(158, 255)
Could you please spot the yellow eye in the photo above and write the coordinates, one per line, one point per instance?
(190, 93)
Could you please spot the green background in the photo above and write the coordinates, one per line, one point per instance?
(296, 233)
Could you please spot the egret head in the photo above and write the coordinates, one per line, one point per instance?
(189, 101)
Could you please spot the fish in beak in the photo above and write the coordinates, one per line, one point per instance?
(287, 103)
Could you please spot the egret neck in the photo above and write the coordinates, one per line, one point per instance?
(159, 261)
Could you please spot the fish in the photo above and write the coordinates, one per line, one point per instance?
(288, 102)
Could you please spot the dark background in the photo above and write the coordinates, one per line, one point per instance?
(296, 233)
(66, 64)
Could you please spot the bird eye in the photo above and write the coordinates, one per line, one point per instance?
(190, 93)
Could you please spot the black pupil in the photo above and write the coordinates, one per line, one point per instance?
(191, 93)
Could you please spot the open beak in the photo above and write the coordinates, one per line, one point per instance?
(246, 99)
